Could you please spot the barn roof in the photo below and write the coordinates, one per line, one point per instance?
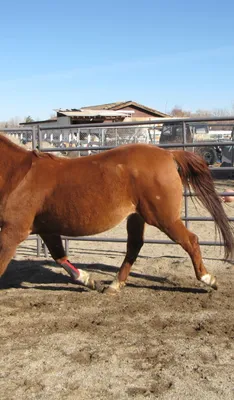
(123, 104)
(86, 112)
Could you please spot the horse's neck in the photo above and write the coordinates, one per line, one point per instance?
(10, 151)
(12, 159)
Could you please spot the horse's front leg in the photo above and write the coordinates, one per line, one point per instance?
(10, 238)
(56, 249)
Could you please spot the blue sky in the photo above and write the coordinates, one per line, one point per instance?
(159, 53)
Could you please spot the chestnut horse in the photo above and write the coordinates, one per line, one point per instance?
(51, 196)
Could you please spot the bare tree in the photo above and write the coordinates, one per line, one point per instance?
(217, 112)
(179, 112)
(11, 123)
(28, 119)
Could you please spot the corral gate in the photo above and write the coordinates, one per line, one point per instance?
(88, 139)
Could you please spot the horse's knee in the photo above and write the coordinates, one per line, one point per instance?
(138, 244)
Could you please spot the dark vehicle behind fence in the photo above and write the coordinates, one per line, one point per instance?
(227, 160)
(172, 132)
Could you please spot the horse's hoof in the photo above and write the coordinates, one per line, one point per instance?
(99, 286)
(111, 291)
(214, 285)
(91, 284)
(210, 280)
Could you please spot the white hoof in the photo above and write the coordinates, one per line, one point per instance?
(84, 279)
(210, 280)
(114, 287)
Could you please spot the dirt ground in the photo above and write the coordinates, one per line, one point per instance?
(165, 336)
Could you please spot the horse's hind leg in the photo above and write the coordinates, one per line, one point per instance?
(135, 229)
(56, 249)
(189, 241)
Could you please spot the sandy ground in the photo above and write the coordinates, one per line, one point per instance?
(165, 336)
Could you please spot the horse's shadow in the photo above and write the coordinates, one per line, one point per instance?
(36, 274)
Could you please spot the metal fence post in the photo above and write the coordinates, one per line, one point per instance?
(186, 212)
(39, 135)
(34, 137)
(67, 246)
(103, 137)
(38, 246)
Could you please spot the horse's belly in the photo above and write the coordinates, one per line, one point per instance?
(83, 223)
(100, 222)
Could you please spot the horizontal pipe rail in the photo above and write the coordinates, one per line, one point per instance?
(168, 145)
(16, 129)
(124, 240)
